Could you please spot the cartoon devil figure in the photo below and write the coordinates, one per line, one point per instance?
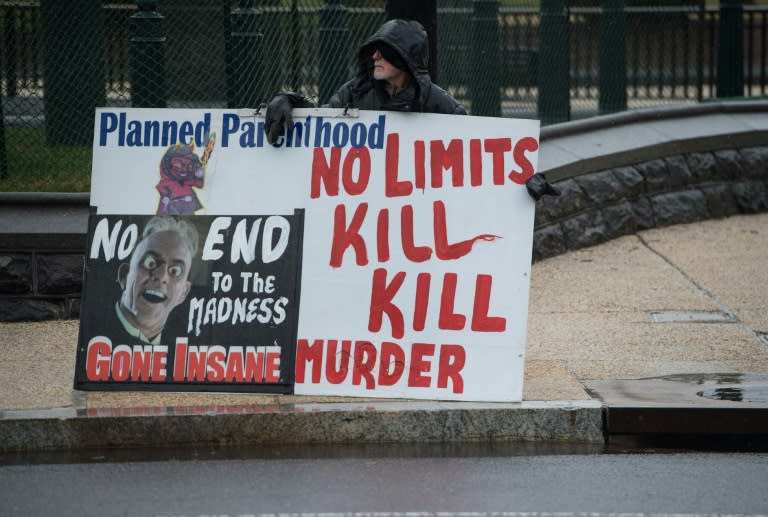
(181, 170)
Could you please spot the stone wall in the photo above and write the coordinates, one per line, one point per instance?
(603, 205)
(38, 286)
(42, 243)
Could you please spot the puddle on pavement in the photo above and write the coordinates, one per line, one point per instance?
(652, 402)
(755, 394)
(733, 387)
(693, 389)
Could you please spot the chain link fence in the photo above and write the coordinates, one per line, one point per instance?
(61, 59)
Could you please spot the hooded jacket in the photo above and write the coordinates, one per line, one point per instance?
(409, 40)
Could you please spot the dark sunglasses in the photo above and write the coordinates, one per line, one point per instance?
(389, 54)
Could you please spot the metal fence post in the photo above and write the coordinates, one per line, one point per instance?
(554, 64)
(730, 49)
(486, 68)
(3, 155)
(148, 84)
(10, 75)
(245, 73)
(612, 80)
(334, 56)
(424, 12)
(73, 69)
(11, 62)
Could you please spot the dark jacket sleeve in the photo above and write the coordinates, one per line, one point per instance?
(342, 98)
(439, 101)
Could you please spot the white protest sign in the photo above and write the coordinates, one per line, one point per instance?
(416, 242)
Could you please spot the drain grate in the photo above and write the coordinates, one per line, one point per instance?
(680, 316)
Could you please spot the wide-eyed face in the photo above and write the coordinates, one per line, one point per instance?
(156, 281)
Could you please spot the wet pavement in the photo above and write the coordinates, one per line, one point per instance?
(659, 333)
(539, 485)
(686, 390)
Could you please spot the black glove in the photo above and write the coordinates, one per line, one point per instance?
(279, 113)
(538, 187)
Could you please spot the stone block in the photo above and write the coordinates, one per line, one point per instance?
(655, 174)
(643, 211)
(679, 174)
(73, 308)
(681, 207)
(59, 274)
(28, 309)
(752, 195)
(619, 220)
(729, 164)
(600, 187)
(548, 242)
(541, 217)
(720, 199)
(703, 167)
(584, 230)
(15, 273)
(754, 161)
(572, 200)
(632, 182)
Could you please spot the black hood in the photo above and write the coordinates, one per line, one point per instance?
(409, 39)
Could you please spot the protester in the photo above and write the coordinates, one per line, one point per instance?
(392, 76)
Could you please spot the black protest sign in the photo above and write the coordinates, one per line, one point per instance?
(196, 303)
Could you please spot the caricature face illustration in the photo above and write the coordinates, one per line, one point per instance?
(156, 281)
(180, 163)
(181, 172)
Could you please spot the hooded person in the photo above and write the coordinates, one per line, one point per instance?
(392, 76)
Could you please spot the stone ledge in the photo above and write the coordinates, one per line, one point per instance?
(602, 205)
(372, 422)
(631, 137)
(49, 220)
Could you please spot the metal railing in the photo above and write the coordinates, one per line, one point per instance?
(671, 51)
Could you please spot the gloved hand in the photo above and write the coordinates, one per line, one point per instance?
(538, 187)
(279, 113)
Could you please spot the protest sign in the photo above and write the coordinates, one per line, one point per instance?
(163, 309)
(414, 256)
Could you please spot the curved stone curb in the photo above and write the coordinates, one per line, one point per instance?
(631, 137)
(684, 188)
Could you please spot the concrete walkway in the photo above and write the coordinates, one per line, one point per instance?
(639, 324)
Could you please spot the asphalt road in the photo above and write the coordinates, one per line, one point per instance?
(638, 484)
